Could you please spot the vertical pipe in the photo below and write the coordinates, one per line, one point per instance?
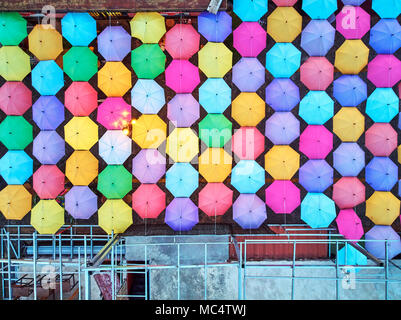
(87, 285)
(146, 272)
(60, 266)
(205, 271)
(9, 266)
(79, 274)
(293, 270)
(244, 288)
(337, 279)
(34, 266)
(112, 273)
(386, 269)
(178, 272)
(240, 272)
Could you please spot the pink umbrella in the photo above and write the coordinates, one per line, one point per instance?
(182, 41)
(285, 3)
(349, 224)
(148, 201)
(15, 98)
(249, 39)
(215, 199)
(316, 142)
(114, 113)
(248, 143)
(348, 192)
(80, 99)
(317, 73)
(384, 71)
(48, 181)
(353, 22)
(283, 196)
(182, 76)
(381, 139)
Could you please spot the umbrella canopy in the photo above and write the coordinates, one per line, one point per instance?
(353, 2)
(48, 147)
(285, 3)
(348, 192)
(349, 256)
(381, 139)
(48, 112)
(215, 130)
(114, 79)
(318, 37)
(149, 131)
(215, 164)
(248, 74)
(249, 38)
(316, 142)
(351, 57)
(215, 60)
(183, 110)
(215, 199)
(381, 173)
(317, 73)
(182, 145)
(148, 27)
(79, 28)
(319, 9)
(81, 202)
(182, 180)
(283, 60)
(284, 24)
(148, 166)
(114, 147)
(148, 61)
(317, 210)
(248, 143)
(282, 128)
(282, 162)
(47, 78)
(249, 211)
(349, 159)
(356, 29)
(114, 113)
(383, 208)
(250, 10)
(350, 90)
(80, 99)
(148, 201)
(147, 96)
(12, 28)
(81, 168)
(316, 108)
(282, 94)
(15, 132)
(114, 182)
(80, 63)
(382, 240)
(248, 176)
(16, 167)
(182, 76)
(48, 181)
(349, 224)
(114, 43)
(182, 41)
(385, 36)
(45, 42)
(14, 63)
(47, 217)
(181, 214)
(316, 175)
(384, 71)
(382, 105)
(15, 202)
(283, 197)
(15, 98)
(215, 95)
(215, 27)
(349, 124)
(115, 216)
(81, 133)
(248, 109)
(390, 9)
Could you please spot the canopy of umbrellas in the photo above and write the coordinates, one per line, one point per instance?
(289, 67)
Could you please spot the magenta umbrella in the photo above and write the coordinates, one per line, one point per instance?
(381, 139)
(182, 41)
(182, 76)
(114, 113)
(348, 192)
(285, 3)
(349, 224)
(317, 73)
(249, 39)
(15, 98)
(384, 71)
(283, 196)
(353, 22)
(316, 142)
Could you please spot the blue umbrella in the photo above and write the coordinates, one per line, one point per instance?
(382, 105)
(376, 242)
(79, 28)
(316, 108)
(48, 147)
(385, 36)
(389, 9)
(215, 27)
(250, 10)
(249, 211)
(215, 95)
(381, 173)
(114, 43)
(115, 147)
(349, 256)
(316, 175)
(248, 176)
(182, 179)
(318, 9)
(283, 60)
(353, 2)
(181, 214)
(248, 74)
(349, 159)
(282, 94)
(318, 210)
(16, 167)
(47, 78)
(147, 96)
(48, 112)
(318, 37)
(282, 128)
(350, 90)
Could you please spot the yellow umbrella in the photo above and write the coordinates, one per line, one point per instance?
(351, 57)
(215, 164)
(284, 24)
(81, 133)
(383, 208)
(15, 202)
(248, 109)
(282, 162)
(114, 79)
(115, 216)
(14, 63)
(215, 60)
(349, 124)
(149, 27)
(149, 131)
(45, 42)
(81, 168)
(182, 145)
(47, 216)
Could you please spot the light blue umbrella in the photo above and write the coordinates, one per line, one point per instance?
(248, 176)
(250, 10)
(47, 78)
(318, 37)
(350, 90)
(115, 147)
(349, 159)
(282, 128)
(349, 256)
(182, 179)
(381, 173)
(387, 9)
(318, 9)
(382, 105)
(248, 74)
(282, 94)
(385, 36)
(147, 96)
(318, 210)
(16, 167)
(283, 60)
(316, 175)
(79, 28)
(215, 95)
(316, 108)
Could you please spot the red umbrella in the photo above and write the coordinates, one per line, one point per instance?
(114, 113)
(81, 99)
(182, 41)
(215, 199)
(317, 73)
(384, 71)
(381, 139)
(316, 142)
(348, 192)
(15, 98)
(248, 143)
(148, 201)
(48, 181)
(182, 76)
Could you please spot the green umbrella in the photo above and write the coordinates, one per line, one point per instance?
(12, 28)
(15, 133)
(114, 182)
(80, 63)
(148, 61)
(215, 130)
(14, 63)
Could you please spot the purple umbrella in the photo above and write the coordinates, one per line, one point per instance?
(114, 43)
(282, 94)
(181, 214)
(48, 112)
(48, 147)
(377, 248)
(282, 128)
(183, 110)
(249, 211)
(81, 202)
(248, 74)
(148, 166)
(215, 27)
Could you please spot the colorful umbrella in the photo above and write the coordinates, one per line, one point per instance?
(15, 202)
(384, 71)
(248, 176)
(283, 197)
(45, 42)
(12, 28)
(282, 128)
(182, 41)
(183, 110)
(248, 143)
(215, 95)
(282, 162)
(351, 57)
(147, 96)
(182, 76)
(47, 78)
(284, 24)
(215, 27)
(149, 27)
(285, 3)
(349, 224)
(215, 59)
(248, 74)
(114, 182)
(182, 145)
(81, 168)
(249, 39)
(317, 210)
(316, 142)
(114, 113)
(115, 216)
(385, 36)
(15, 98)
(182, 180)
(79, 28)
(356, 28)
(382, 240)
(383, 208)
(349, 159)
(47, 217)
(16, 167)
(282, 94)
(283, 60)
(318, 37)
(349, 256)
(249, 211)
(148, 166)
(114, 79)
(215, 130)
(390, 9)
(353, 2)
(181, 214)
(382, 105)
(381, 139)
(148, 61)
(317, 9)
(317, 73)
(316, 108)
(215, 199)
(80, 202)
(348, 192)
(48, 112)
(316, 175)
(81, 133)
(148, 201)
(215, 164)
(114, 43)
(381, 173)
(80, 63)
(248, 109)
(14, 63)
(250, 10)
(80, 99)
(149, 131)
(48, 147)
(48, 181)
(15, 132)
(114, 147)
(350, 90)
(349, 124)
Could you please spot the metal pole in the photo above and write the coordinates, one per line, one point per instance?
(34, 267)
(79, 274)
(146, 272)
(337, 279)
(386, 270)
(205, 271)
(293, 270)
(9, 267)
(244, 289)
(240, 272)
(60, 266)
(178, 272)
